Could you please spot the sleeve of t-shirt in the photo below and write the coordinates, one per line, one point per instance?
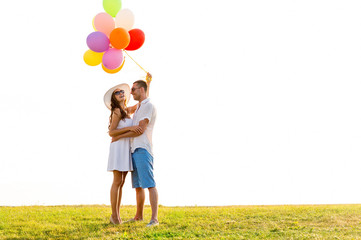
(146, 112)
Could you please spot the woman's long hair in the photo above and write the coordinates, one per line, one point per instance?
(115, 104)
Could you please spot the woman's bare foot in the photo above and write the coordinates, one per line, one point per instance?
(115, 221)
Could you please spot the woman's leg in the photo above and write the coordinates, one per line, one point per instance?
(117, 182)
(123, 175)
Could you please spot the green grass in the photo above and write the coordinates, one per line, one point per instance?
(234, 222)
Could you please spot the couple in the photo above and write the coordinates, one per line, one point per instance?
(131, 147)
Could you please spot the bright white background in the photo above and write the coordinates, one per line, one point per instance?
(258, 102)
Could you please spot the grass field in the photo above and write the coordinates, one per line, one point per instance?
(234, 222)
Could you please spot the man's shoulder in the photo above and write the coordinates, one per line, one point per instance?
(148, 103)
(149, 108)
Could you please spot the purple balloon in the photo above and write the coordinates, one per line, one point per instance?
(113, 58)
(97, 42)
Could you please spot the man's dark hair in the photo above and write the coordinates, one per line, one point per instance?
(142, 84)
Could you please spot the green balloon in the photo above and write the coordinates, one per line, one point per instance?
(112, 7)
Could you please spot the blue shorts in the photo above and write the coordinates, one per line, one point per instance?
(142, 175)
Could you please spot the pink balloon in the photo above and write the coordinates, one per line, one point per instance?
(104, 23)
(97, 42)
(113, 58)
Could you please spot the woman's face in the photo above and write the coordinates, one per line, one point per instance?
(119, 95)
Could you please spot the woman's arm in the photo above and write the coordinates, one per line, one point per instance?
(139, 130)
(115, 120)
(117, 132)
(113, 131)
(132, 109)
(134, 131)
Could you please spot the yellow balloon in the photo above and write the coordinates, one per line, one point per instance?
(94, 24)
(93, 58)
(114, 70)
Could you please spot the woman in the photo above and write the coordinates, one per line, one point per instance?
(119, 161)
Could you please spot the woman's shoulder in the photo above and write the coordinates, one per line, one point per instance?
(116, 111)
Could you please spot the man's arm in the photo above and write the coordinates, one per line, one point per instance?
(148, 79)
(142, 127)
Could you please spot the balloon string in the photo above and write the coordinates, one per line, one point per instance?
(135, 61)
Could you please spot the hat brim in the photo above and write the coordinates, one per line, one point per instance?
(108, 94)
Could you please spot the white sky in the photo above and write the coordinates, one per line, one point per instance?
(258, 102)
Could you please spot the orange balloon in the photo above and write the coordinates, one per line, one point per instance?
(119, 38)
(113, 70)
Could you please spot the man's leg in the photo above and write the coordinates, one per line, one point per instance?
(144, 175)
(139, 192)
(140, 203)
(153, 198)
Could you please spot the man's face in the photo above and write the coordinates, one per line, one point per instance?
(135, 91)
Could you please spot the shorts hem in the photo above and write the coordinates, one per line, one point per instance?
(144, 187)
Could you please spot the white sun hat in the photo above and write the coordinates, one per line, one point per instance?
(108, 94)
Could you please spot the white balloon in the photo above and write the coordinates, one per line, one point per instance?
(124, 19)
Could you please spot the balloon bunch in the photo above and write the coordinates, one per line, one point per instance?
(113, 35)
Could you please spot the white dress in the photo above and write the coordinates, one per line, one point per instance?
(120, 157)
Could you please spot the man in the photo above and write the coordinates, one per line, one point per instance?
(142, 154)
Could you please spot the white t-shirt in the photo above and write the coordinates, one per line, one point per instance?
(146, 110)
